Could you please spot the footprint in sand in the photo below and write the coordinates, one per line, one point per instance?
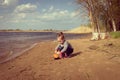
(11, 67)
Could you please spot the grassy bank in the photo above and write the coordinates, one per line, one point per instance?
(115, 34)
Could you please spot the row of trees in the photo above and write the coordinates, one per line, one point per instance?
(103, 14)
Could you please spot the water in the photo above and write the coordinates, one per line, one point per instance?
(13, 44)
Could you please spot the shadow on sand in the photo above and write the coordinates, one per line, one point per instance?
(75, 54)
(72, 55)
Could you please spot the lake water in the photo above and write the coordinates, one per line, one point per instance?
(13, 44)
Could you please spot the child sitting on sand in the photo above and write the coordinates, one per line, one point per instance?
(64, 48)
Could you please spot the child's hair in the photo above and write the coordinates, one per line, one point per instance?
(61, 35)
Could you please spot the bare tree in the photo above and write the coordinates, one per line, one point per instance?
(106, 11)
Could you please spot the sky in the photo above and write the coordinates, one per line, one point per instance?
(41, 14)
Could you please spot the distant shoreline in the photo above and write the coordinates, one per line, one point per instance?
(27, 31)
(81, 29)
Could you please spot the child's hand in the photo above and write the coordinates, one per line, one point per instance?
(58, 52)
(55, 51)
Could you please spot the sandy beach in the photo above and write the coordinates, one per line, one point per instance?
(91, 60)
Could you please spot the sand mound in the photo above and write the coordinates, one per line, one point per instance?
(81, 29)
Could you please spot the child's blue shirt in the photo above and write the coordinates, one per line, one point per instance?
(63, 47)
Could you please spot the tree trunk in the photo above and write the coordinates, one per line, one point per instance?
(114, 26)
(98, 25)
(91, 20)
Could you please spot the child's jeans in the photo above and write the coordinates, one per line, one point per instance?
(67, 53)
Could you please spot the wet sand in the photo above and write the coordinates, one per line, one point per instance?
(91, 60)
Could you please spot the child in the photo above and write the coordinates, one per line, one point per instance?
(64, 48)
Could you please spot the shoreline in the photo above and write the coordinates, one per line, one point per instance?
(15, 55)
(11, 53)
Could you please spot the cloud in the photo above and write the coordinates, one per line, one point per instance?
(27, 15)
(44, 10)
(51, 9)
(7, 6)
(22, 13)
(7, 3)
(56, 14)
(1, 17)
(20, 16)
(44, 18)
(75, 13)
(25, 8)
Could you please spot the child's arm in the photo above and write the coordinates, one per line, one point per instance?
(56, 49)
(65, 47)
